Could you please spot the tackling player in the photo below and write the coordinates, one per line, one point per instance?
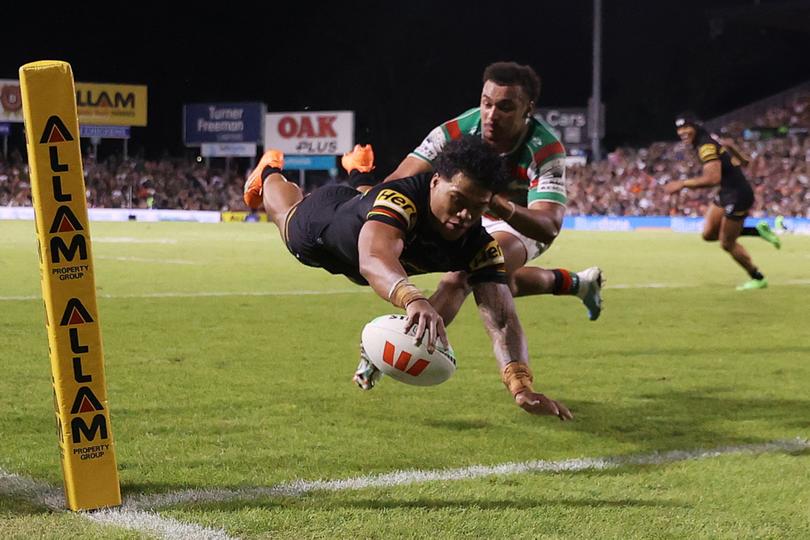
(420, 224)
(722, 166)
(525, 219)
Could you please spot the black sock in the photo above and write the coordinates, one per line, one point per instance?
(267, 171)
(749, 231)
(755, 274)
(357, 179)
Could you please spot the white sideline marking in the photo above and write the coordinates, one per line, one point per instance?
(139, 512)
(140, 259)
(17, 486)
(366, 290)
(415, 476)
(208, 294)
(131, 240)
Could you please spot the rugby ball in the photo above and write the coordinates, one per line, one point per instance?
(394, 352)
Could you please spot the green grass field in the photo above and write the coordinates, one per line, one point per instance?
(229, 367)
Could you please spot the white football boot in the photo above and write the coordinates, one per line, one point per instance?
(366, 375)
(590, 290)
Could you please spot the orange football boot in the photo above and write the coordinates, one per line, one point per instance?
(254, 183)
(361, 159)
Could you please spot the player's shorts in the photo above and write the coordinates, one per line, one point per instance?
(735, 203)
(306, 222)
(533, 248)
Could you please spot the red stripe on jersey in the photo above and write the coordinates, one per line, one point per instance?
(548, 150)
(453, 129)
(520, 172)
(389, 213)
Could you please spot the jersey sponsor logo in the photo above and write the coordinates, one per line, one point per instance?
(432, 145)
(708, 152)
(490, 255)
(554, 167)
(394, 204)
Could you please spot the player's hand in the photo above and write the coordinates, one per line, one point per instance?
(673, 187)
(539, 404)
(499, 205)
(429, 324)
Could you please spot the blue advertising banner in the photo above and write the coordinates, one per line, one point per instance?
(309, 163)
(676, 224)
(104, 132)
(223, 123)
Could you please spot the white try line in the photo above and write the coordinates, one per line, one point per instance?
(20, 487)
(416, 476)
(139, 512)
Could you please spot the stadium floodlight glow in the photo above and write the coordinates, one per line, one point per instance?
(68, 286)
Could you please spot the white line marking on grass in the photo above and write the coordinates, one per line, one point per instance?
(650, 286)
(131, 240)
(138, 512)
(139, 259)
(209, 294)
(13, 485)
(150, 522)
(415, 476)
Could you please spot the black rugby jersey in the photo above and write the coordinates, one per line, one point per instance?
(709, 149)
(404, 204)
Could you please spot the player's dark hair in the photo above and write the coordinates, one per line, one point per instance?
(470, 155)
(512, 73)
(688, 118)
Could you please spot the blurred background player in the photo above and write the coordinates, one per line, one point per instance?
(415, 225)
(526, 219)
(724, 219)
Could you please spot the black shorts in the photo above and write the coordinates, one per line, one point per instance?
(307, 221)
(735, 203)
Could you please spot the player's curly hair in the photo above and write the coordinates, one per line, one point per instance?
(512, 73)
(480, 162)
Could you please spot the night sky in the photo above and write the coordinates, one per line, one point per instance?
(406, 67)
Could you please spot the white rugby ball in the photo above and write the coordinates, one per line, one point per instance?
(394, 352)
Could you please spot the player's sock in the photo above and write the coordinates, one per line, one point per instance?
(749, 231)
(359, 178)
(565, 282)
(756, 274)
(267, 171)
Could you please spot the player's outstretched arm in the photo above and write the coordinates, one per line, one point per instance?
(711, 177)
(541, 221)
(497, 310)
(379, 247)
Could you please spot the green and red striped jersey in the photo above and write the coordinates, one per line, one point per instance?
(536, 165)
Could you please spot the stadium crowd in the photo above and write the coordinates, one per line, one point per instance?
(628, 183)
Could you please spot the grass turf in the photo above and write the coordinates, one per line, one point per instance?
(224, 370)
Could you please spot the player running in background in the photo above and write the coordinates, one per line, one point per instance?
(722, 166)
(416, 225)
(527, 218)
